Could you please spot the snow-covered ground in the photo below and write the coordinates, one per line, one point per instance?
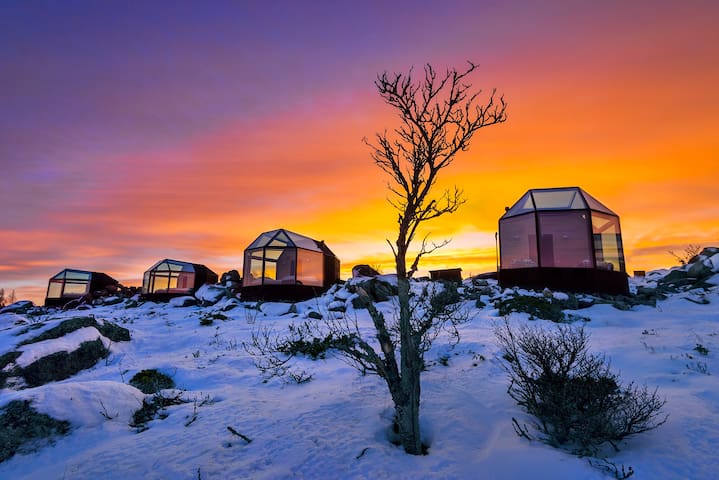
(335, 425)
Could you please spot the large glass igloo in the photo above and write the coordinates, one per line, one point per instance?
(285, 265)
(561, 238)
(70, 284)
(171, 278)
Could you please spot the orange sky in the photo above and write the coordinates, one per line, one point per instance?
(126, 141)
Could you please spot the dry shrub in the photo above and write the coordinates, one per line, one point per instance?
(578, 402)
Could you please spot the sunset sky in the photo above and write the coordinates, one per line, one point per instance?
(136, 131)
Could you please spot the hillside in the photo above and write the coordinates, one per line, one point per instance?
(224, 419)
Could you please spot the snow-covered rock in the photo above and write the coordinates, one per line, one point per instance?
(67, 343)
(184, 301)
(211, 294)
(18, 307)
(275, 308)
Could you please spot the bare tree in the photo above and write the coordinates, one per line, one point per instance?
(438, 117)
(690, 251)
(6, 299)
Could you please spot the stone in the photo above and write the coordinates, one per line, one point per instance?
(231, 276)
(337, 306)
(23, 306)
(186, 301)
(360, 302)
(699, 270)
(210, 294)
(363, 271)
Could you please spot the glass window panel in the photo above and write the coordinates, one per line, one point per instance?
(284, 238)
(310, 268)
(577, 202)
(285, 266)
(281, 240)
(564, 240)
(72, 275)
(524, 205)
(278, 243)
(146, 287)
(263, 239)
(550, 199)
(270, 276)
(55, 289)
(252, 268)
(304, 242)
(186, 280)
(60, 276)
(72, 289)
(163, 267)
(595, 204)
(607, 242)
(518, 242)
(179, 267)
(160, 282)
(273, 253)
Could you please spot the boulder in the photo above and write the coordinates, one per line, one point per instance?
(211, 294)
(377, 290)
(363, 271)
(228, 304)
(186, 301)
(232, 281)
(231, 276)
(23, 306)
(700, 270)
(336, 306)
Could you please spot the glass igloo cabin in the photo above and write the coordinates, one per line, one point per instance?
(283, 265)
(173, 278)
(563, 239)
(71, 284)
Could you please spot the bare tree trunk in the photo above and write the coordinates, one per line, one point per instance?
(407, 403)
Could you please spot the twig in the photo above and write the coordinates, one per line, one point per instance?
(105, 413)
(520, 430)
(361, 454)
(243, 437)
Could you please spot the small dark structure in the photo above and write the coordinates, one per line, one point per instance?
(448, 275)
(173, 278)
(283, 265)
(71, 284)
(561, 238)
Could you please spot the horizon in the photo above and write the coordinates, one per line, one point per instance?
(135, 133)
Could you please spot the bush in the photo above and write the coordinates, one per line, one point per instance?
(155, 407)
(300, 343)
(151, 381)
(578, 402)
(208, 319)
(21, 425)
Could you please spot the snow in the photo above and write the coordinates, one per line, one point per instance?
(85, 404)
(336, 425)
